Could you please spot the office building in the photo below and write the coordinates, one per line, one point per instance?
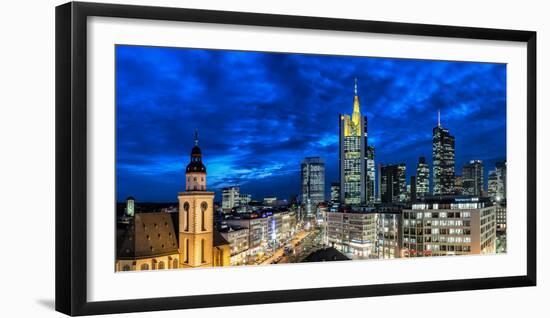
(352, 233)
(472, 178)
(443, 153)
(449, 226)
(313, 184)
(393, 183)
(353, 158)
(238, 241)
(371, 176)
(281, 227)
(379, 183)
(492, 185)
(269, 201)
(335, 193)
(422, 178)
(388, 233)
(497, 182)
(258, 231)
(244, 199)
(411, 189)
(501, 216)
(230, 197)
(458, 185)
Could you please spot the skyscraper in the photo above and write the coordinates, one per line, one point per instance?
(335, 193)
(412, 191)
(422, 178)
(458, 184)
(313, 183)
(443, 152)
(379, 183)
(353, 159)
(472, 178)
(497, 182)
(370, 176)
(492, 184)
(393, 183)
(500, 167)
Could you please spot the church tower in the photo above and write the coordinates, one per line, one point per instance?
(196, 214)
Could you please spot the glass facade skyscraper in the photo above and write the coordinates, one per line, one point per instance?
(335, 193)
(353, 159)
(393, 183)
(443, 153)
(370, 176)
(313, 184)
(422, 178)
(497, 182)
(472, 178)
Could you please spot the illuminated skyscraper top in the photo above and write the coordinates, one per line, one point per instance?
(356, 116)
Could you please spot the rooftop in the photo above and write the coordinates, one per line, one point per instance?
(326, 255)
(147, 235)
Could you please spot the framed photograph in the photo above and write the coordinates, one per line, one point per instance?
(209, 158)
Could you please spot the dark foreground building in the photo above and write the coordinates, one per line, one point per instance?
(326, 255)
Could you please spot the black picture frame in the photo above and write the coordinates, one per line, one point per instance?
(71, 157)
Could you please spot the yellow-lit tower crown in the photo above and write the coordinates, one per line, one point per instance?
(356, 115)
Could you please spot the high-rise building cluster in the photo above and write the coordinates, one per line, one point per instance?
(370, 212)
(437, 213)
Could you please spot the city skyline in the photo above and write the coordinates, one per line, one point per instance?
(279, 108)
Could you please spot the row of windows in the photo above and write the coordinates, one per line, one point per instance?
(419, 223)
(436, 215)
(154, 265)
(436, 239)
(443, 231)
(448, 248)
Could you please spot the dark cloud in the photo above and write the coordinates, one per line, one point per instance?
(260, 114)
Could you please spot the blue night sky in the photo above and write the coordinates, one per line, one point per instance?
(259, 114)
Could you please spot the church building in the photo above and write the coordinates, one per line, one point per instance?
(150, 241)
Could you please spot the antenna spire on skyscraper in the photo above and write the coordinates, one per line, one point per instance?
(438, 118)
(355, 89)
(196, 137)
